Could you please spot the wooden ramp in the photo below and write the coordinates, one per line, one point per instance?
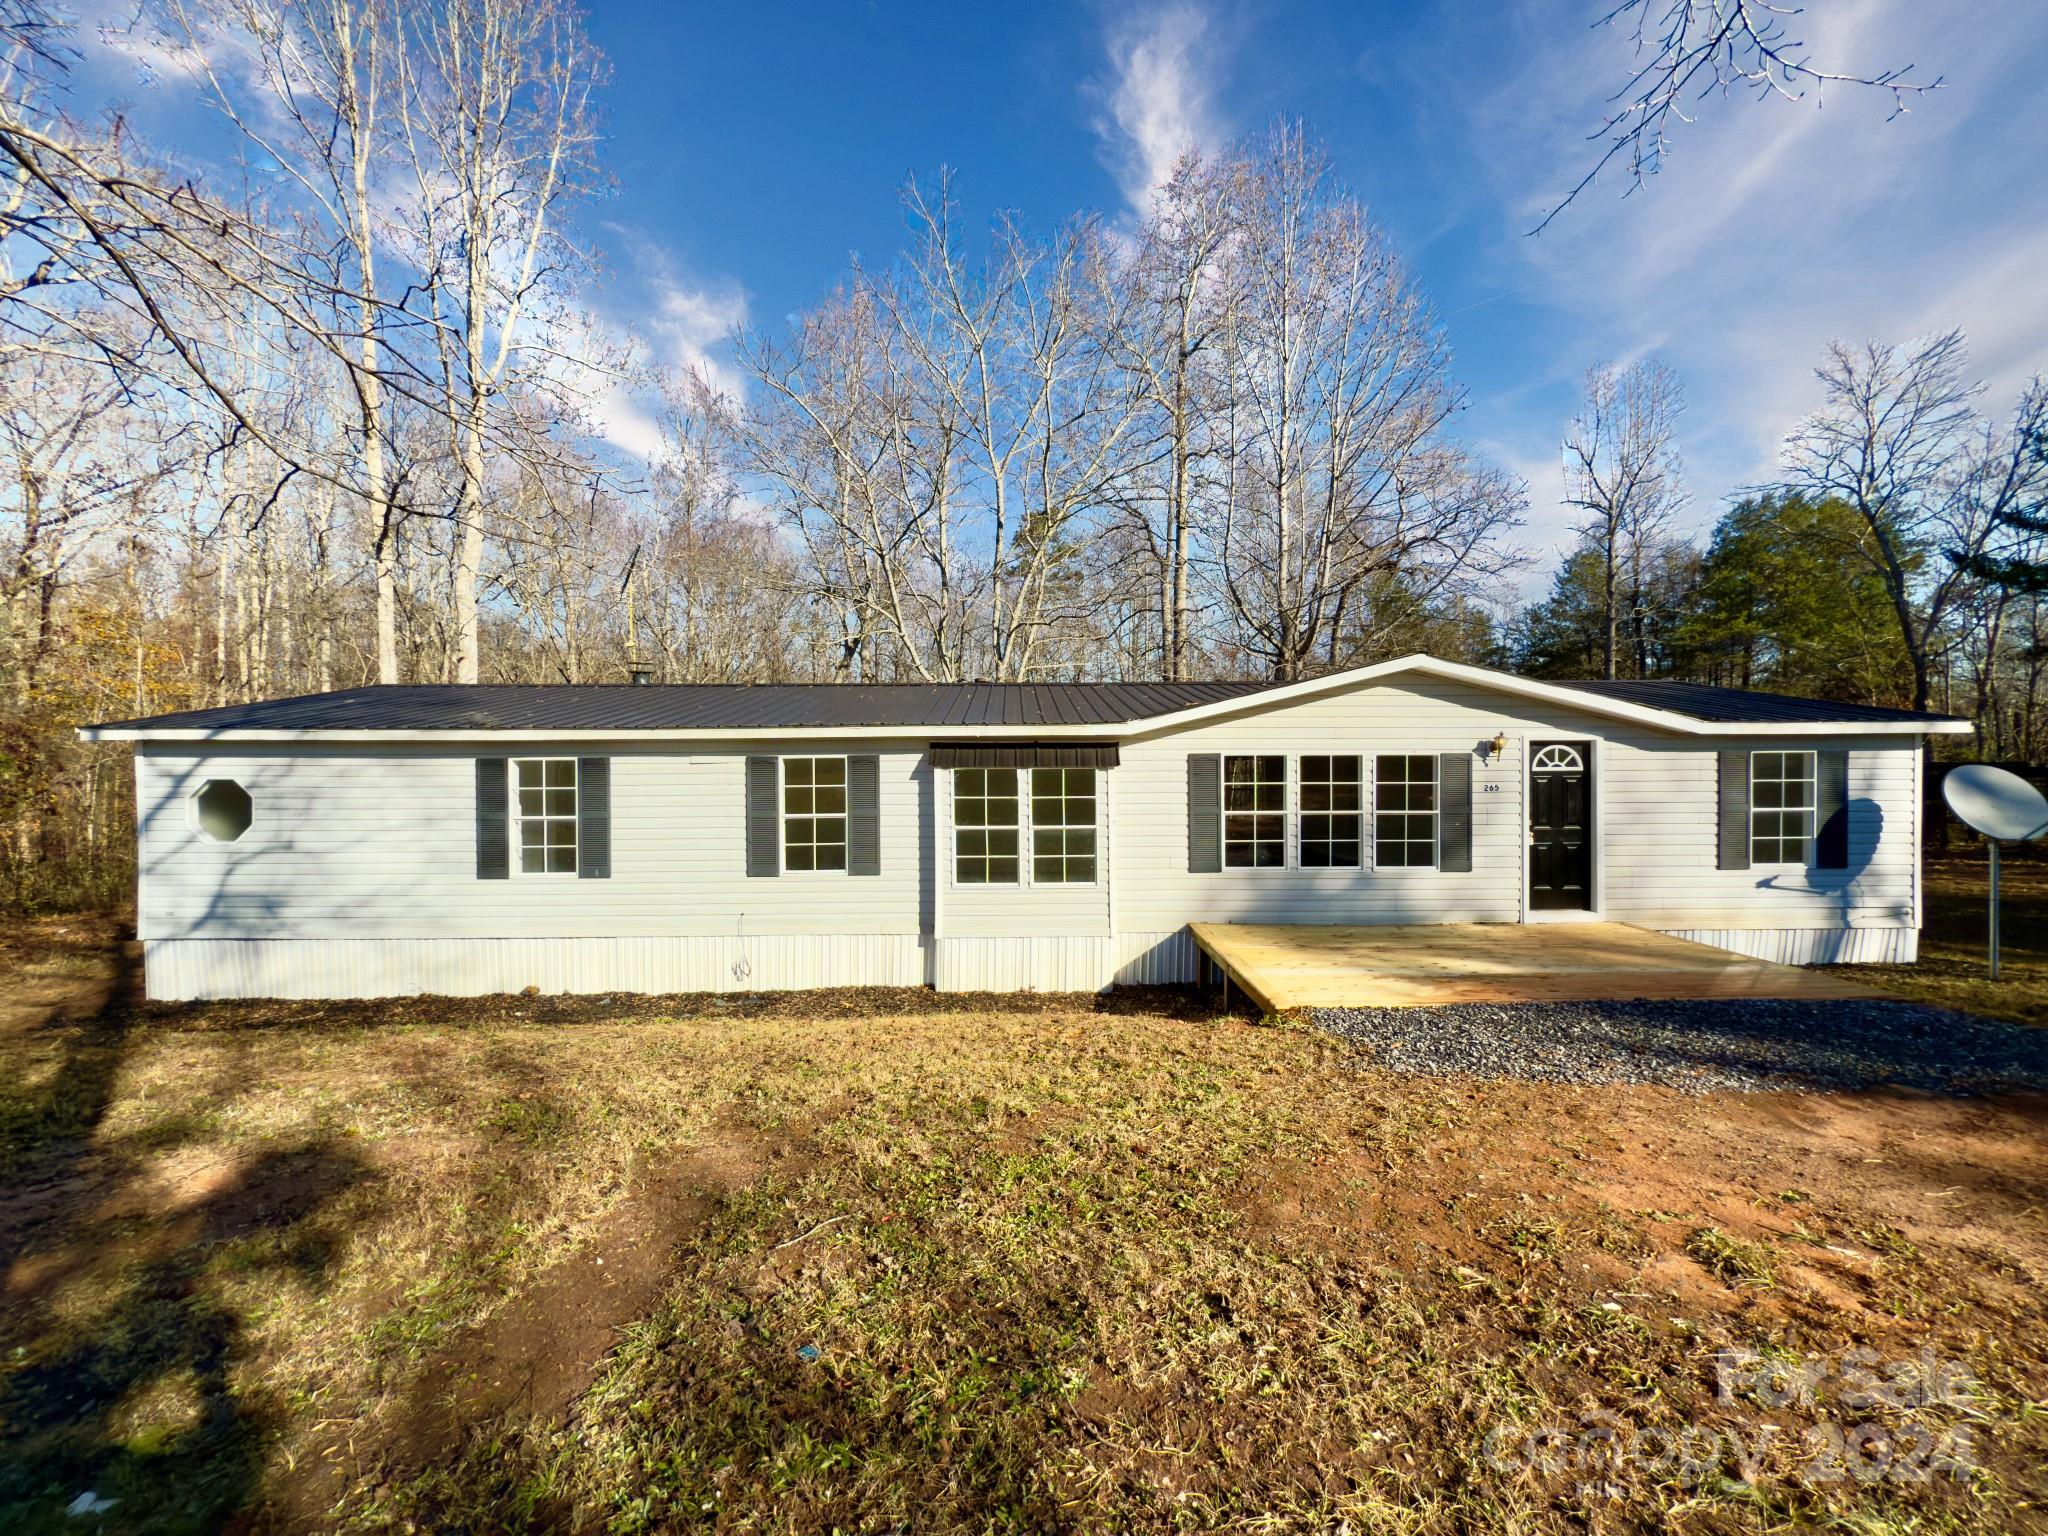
(1300, 967)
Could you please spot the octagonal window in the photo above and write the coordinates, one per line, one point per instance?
(223, 810)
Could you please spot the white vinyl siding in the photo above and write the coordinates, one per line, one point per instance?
(379, 841)
(1655, 805)
(362, 860)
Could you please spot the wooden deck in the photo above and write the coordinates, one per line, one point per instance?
(1301, 967)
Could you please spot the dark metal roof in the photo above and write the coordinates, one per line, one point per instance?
(1738, 706)
(948, 707)
(705, 707)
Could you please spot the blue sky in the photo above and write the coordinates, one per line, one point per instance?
(756, 146)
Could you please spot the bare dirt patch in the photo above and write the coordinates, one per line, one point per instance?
(528, 1361)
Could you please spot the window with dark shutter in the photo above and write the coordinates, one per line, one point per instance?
(864, 815)
(1732, 843)
(1454, 834)
(1205, 814)
(493, 836)
(1831, 808)
(764, 819)
(594, 818)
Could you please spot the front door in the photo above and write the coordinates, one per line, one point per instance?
(1561, 825)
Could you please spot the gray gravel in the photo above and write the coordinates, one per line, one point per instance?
(1704, 1047)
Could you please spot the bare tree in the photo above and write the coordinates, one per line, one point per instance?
(1622, 472)
(1900, 441)
(941, 439)
(77, 481)
(1166, 320)
(1691, 50)
(1338, 466)
(497, 129)
(324, 69)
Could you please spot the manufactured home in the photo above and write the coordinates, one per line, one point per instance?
(1062, 836)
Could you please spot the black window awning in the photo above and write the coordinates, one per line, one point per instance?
(1024, 754)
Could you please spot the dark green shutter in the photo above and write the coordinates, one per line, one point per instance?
(1734, 818)
(1205, 814)
(1831, 810)
(594, 818)
(764, 845)
(1454, 823)
(864, 815)
(493, 847)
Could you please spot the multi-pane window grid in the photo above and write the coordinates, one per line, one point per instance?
(1404, 811)
(1063, 826)
(547, 815)
(1781, 804)
(985, 826)
(813, 813)
(1332, 813)
(1254, 812)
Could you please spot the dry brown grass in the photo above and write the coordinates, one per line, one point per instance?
(1952, 970)
(899, 1262)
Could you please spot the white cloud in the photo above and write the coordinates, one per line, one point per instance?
(1775, 225)
(681, 327)
(693, 325)
(1160, 100)
(153, 52)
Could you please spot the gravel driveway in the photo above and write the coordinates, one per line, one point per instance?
(1704, 1047)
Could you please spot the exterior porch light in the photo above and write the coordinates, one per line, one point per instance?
(1498, 745)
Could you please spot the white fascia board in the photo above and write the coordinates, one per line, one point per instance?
(1550, 693)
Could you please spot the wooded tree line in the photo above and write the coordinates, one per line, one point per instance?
(1901, 558)
(341, 419)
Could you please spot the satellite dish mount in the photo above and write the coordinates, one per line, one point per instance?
(2002, 808)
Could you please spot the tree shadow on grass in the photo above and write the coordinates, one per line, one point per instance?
(136, 1400)
(118, 1345)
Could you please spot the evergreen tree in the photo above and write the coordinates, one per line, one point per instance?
(1785, 604)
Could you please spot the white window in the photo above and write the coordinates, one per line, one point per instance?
(1063, 826)
(1781, 807)
(1254, 812)
(1332, 813)
(545, 813)
(985, 826)
(1404, 811)
(813, 813)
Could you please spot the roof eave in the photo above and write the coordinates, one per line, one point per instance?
(1552, 693)
(1248, 703)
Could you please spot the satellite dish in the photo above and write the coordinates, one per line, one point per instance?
(2002, 806)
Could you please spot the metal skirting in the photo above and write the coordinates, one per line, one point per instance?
(1812, 946)
(190, 969)
(1069, 963)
